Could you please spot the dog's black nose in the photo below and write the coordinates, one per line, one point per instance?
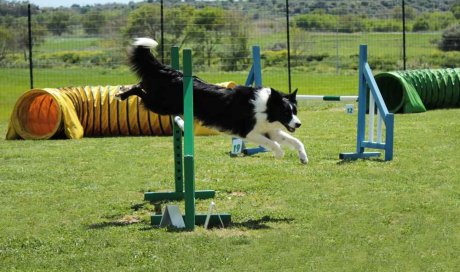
(297, 125)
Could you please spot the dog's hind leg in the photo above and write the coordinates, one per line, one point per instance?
(286, 139)
(127, 91)
(262, 140)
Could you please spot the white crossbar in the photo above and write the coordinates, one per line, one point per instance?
(179, 122)
(353, 98)
(371, 117)
(379, 127)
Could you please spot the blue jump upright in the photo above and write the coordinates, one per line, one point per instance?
(369, 92)
(255, 74)
(254, 79)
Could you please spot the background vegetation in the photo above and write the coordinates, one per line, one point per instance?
(221, 32)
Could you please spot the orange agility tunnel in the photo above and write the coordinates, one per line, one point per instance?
(74, 112)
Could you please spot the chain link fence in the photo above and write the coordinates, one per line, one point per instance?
(87, 45)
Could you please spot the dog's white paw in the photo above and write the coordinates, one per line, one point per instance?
(279, 153)
(117, 96)
(120, 92)
(303, 157)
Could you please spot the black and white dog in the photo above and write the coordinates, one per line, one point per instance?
(257, 115)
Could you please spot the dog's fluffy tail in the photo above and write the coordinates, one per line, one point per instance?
(141, 59)
(145, 42)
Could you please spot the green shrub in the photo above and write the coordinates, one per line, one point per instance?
(422, 24)
(386, 26)
(99, 58)
(444, 59)
(273, 58)
(450, 40)
(70, 57)
(384, 63)
(316, 21)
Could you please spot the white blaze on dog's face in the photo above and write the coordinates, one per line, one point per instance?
(295, 121)
(283, 108)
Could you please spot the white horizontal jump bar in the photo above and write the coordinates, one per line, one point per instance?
(327, 97)
(179, 122)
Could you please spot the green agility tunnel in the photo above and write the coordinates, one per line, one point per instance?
(420, 90)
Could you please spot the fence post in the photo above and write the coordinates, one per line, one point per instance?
(404, 33)
(288, 45)
(31, 65)
(162, 47)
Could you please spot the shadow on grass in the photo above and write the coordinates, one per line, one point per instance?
(251, 224)
(124, 221)
(256, 224)
(350, 161)
(127, 220)
(109, 224)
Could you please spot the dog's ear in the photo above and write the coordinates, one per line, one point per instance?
(292, 96)
(274, 94)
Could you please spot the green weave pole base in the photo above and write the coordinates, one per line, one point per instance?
(200, 219)
(161, 196)
(355, 156)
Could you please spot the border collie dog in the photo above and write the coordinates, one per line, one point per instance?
(257, 115)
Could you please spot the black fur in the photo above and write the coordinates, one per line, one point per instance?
(228, 110)
(255, 114)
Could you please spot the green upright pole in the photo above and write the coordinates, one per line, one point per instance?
(189, 167)
(177, 136)
(185, 169)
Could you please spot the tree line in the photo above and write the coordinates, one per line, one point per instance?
(321, 21)
(210, 31)
(213, 30)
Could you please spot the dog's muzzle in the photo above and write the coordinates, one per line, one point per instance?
(292, 129)
(293, 124)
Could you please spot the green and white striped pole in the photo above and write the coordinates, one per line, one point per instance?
(344, 98)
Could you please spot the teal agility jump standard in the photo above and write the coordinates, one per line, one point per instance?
(184, 162)
(372, 102)
(178, 193)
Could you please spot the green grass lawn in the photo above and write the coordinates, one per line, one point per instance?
(78, 204)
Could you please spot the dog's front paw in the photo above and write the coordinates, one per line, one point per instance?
(279, 154)
(303, 157)
(119, 95)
